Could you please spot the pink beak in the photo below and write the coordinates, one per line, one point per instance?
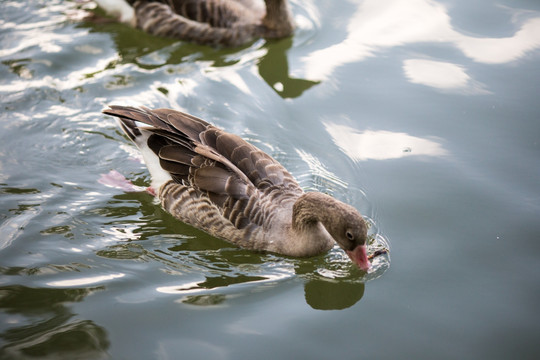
(359, 257)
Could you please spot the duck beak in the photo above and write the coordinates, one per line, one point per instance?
(359, 256)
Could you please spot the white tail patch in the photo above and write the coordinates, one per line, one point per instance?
(119, 9)
(159, 176)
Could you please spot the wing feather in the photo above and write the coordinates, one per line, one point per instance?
(232, 173)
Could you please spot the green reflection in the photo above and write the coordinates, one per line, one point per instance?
(17, 191)
(274, 69)
(126, 251)
(58, 230)
(224, 281)
(326, 294)
(151, 52)
(20, 67)
(342, 287)
(47, 328)
(204, 300)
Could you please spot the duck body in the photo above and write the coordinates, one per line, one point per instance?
(208, 22)
(221, 184)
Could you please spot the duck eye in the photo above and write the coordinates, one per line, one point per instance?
(349, 235)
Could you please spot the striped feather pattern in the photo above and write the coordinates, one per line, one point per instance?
(214, 173)
(214, 22)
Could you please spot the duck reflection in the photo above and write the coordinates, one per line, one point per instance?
(324, 294)
(320, 293)
(274, 69)
(41, 326)
(331, 285)
(150, 52)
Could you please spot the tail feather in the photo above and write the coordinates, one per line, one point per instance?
(130, 128)
(163, 119)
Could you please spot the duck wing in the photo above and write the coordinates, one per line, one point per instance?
(236, 176)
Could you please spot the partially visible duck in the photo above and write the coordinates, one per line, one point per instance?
(208, 22)
(219, 183)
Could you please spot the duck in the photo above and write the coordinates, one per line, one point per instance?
(219, 183)
(228, 23)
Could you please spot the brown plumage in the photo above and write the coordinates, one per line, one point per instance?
(208, 22)
(219, 183)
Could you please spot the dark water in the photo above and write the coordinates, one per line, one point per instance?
(423, 115)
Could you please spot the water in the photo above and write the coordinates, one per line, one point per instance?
(423, 115)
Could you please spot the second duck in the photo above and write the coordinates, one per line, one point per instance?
(208, 22)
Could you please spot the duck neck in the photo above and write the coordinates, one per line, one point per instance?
(278, 19)
(313, 208)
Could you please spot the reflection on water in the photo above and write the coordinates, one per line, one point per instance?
(37, 323)
(332, 274)
(381, 145)
(13, 227)
(274, 69)
(377, 25)
(215, 290)
(441, 75)
(321, 292)
(319, 178)
(151, 53)
(324, 294)
(81, 281)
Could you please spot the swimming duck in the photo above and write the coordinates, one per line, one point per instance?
(208, 22)
(221, 184)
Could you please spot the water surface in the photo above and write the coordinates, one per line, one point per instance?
(422, 114)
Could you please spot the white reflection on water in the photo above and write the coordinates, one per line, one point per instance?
(48, 42)
(381, 145)
(198, 287)
(230, 75)
(13, 227)
(86, 280)
(89, 49)
(70, 81)
(124, 233)
(441, 75)
(182, 288)
(317, 169)
(382, 24)
(307, 16)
